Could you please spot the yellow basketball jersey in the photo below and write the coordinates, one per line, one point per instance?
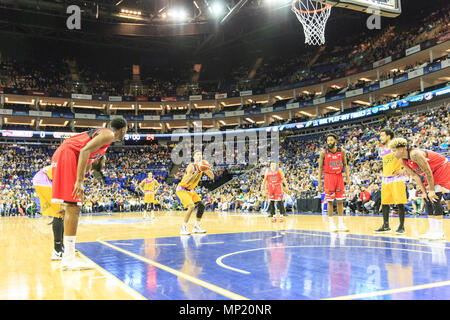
(390, 162)
(149, 185)
(48, 172)
(194, 182)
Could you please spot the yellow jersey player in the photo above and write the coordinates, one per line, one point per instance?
(149, 186)
(393, 188)
(187, 195)
(42, 183)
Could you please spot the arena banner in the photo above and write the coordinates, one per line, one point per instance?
(40, 113)
(84, 116)
(179, 117)
(182, 98)
(1, 90)
(266, 109)
(168, 99)
(234, 113)
(99, 97)
(403, 77)
(115, 98)
(386, 83)
(246, 93)
(196, 98)
(37, 93)
(6, 112)
(412, 50)
(152, 118)
(14, 91)
(445, 63)
(292, 105)
(382, 62)
(128, 98)
(141, 99)
(319, 100)
(432, 67)
(207, 115)
(221, 96)
(352, 93)
(81, 96)
(102, 117)
(415, 73)
(154, 99)
(351, 71)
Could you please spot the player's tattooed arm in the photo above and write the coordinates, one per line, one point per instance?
(418, 157)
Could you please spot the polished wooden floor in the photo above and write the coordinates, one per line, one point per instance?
(26, 272)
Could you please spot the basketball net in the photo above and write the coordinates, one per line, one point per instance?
(313, 16)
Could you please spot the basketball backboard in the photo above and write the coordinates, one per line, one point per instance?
(388, 8)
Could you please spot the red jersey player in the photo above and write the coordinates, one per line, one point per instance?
(435, 168)
(332, 162)
(272, 186)
(69, 165)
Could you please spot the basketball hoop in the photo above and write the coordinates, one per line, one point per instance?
(313, 16)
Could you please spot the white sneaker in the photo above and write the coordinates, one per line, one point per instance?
(333, 228)
(433, 236)
(426, 235)
(74, 263)
(342, 228)
(56, 255)
(184, 231)
(198, 229)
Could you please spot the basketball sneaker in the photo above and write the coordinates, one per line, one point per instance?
(74, 264)
(400, 230)
(333, 228)
(198, 229)
(281, 218)
(184, 231)
(274, 219)
(433, 236)
(383, 229)
(342, 228)
(56, 255)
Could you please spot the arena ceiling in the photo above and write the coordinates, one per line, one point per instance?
(189, 27)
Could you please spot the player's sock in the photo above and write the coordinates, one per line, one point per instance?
(69, 246)
(385, 210)
(401, 215)
(330, 219)
(58, 229)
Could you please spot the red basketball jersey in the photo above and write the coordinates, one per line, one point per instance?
(435, 161)
(273, 178)
(333, 162)
(77, 142)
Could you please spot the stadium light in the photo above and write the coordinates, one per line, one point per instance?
(177, 14)
(217, 9)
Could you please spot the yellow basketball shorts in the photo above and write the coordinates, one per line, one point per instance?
(393, 193)
(149, 197)
(47, 207)
(187, 197)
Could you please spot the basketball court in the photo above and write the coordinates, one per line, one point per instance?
(243, 256)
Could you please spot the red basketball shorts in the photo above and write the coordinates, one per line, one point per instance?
(274, 192)
(64, 172)
(334, 186)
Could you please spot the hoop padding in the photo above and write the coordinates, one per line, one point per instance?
(313, 15)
